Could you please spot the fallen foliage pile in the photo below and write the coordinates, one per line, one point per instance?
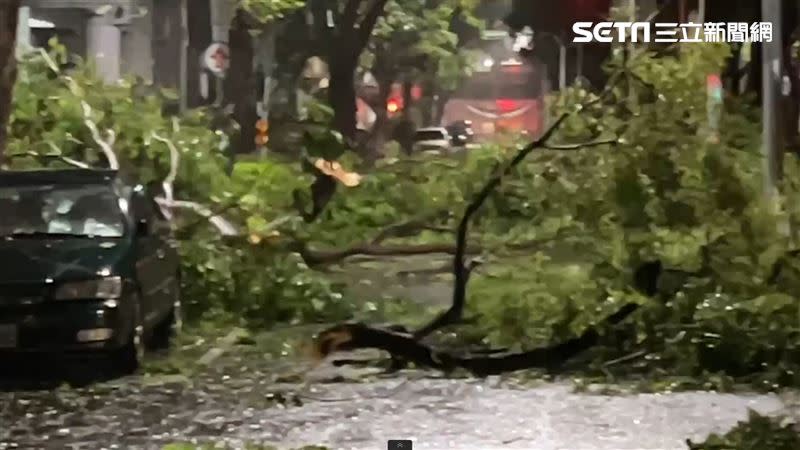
(757, 433)
(627, 208)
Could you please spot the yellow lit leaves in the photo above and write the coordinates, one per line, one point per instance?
(335, 170)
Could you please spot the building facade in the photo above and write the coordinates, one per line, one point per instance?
(158, 41)
(117, 35)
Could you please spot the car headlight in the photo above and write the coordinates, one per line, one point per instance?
(103, 288)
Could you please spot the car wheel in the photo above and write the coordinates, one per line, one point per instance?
(131, 355)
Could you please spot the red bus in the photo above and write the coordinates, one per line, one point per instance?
(508, 98)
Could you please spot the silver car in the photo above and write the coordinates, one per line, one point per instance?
(433, 140)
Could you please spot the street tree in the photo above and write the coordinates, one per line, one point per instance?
(342, 31)
(422, 43)
(9, 11)
(338, 32)
(394, 39)
(267, 10)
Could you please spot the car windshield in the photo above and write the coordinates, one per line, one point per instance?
(430, 135)
(85, 210)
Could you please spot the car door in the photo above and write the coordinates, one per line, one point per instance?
(167, 263)
(152, 260)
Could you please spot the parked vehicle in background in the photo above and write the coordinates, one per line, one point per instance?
(88, 265)
(461, 133)
(506, 98)
(435, 139)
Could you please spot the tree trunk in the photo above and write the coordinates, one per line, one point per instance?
(407, 98)
(732, 75)
(754, 77)
(9, 15)
(199, 40)
(342, 96)
(791, 108)
(240, 86)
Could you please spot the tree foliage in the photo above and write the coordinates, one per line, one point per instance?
(586, 223)
(758, 432)
(9, 11)
(580, 222)
(268, 10)
(665, 194)
(415, 40)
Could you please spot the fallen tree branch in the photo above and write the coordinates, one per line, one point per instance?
(322, 257)
(168, 201)
(407, 228)
(49, 61)
(225, 227)
(314, 257)
(106, 145)
(347, 337)
(407, 347)
(169, 181)
(580, 145)
(460, 271)
(188, 229)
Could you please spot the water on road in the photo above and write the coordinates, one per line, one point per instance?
(239, 406)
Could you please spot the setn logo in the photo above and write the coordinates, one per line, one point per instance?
(672, 32)
(604, 31)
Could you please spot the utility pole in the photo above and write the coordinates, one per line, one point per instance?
(104, 45)
(772, 78)
(562, 64)
(183, 83)
(23, 30)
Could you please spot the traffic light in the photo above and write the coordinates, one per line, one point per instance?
(262, 132)
(392, 106)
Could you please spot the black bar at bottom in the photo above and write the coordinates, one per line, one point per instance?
(400, 445)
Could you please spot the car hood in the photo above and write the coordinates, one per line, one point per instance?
(34, 260)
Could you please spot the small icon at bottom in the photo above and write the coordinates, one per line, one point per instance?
(400, 444)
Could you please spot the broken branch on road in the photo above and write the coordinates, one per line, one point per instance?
(460, 269)
(407, 346)
(348, 337)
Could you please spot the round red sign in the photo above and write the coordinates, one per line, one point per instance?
(217, 58)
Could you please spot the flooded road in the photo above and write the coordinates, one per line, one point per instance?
(242, 402)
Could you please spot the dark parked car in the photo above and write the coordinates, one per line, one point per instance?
(461, 132)
(87, 264)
